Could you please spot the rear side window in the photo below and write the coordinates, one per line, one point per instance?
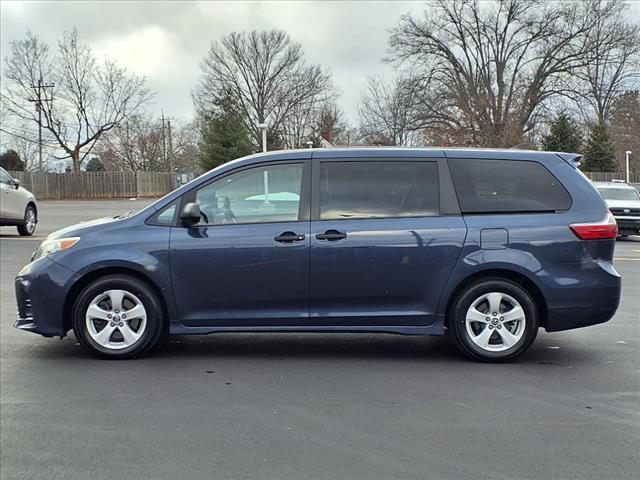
(507, 186)
(378, 189)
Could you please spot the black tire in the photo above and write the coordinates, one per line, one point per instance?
(143, 292)
(466, 298)
(26, 229)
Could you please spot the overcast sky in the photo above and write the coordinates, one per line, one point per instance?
(165, 41)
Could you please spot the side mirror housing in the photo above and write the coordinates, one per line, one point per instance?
(16, 183)
(190, 214)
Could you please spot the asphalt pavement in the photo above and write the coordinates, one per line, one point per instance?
(316, 406)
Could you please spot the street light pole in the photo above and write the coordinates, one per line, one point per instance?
(626, 165)
(263, 128)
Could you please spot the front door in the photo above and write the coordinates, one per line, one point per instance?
(11, 203)
(247, 261)
(381, 247)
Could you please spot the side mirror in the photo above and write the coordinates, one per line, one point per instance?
(190, 214)
(16, 183)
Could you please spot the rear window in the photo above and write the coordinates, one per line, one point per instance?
(378, 189)
(507, 186)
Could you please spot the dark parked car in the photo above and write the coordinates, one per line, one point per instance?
(489, 245)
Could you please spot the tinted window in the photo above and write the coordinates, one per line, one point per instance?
(378, 189)
(486, 186)
(257, 195)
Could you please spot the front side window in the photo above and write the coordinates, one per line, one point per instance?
(378, 189)
(257, 195)
(507, 186)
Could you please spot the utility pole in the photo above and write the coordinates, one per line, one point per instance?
(164, 143)
(38, 101)
(627, 154)
(171, 166)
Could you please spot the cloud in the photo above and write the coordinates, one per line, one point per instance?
(165, 41)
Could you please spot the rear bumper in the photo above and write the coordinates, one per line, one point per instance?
(40, 292)
(579, 295)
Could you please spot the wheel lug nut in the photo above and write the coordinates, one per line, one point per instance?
(501, 318)
(490, 327)
(120, 324)
(488, 319)
(123, 316)
(493, 314)
(118, 311)
(109, 316)
(499, 327)
(112, 324)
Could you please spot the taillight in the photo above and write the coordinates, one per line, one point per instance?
(602, 230)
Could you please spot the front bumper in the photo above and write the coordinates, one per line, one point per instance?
(628, 225)
(41, 288)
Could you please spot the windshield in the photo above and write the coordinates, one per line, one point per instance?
(619, 193)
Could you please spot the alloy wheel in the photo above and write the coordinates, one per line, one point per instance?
(116, 319)
(495, 322)
(30, 220)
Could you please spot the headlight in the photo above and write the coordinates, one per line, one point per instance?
(52, 246)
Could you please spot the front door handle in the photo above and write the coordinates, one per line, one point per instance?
(331, 235)
(288, 237)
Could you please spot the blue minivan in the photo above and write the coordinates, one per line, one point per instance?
(488, 245)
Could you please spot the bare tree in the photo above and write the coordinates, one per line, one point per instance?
(265, 75)
(141, 143)
(487, 68)
(86, 100)
(387, 112)
(613, 62)
(136, 144)
(185, 146)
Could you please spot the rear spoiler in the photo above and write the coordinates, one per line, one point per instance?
(572, 159)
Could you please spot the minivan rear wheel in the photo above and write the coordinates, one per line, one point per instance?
(494, 320)
(118, 316)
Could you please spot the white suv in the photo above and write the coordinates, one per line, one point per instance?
(623, 201)
(17, 205)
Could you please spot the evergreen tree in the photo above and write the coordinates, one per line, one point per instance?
(564, 136)
(225, 138)
(600, 153)
(94, 165)
(11, 161)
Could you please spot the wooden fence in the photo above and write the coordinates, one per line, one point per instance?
(151, 184)
(96, 184)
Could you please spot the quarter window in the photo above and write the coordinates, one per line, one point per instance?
(257, 195)
(507, 186)
(168, 215)
(378, 189)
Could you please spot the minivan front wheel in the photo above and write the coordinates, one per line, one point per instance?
(117, 316)
(494, 320)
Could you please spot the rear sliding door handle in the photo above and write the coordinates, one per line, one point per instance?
(288, 237)
(331, 235)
